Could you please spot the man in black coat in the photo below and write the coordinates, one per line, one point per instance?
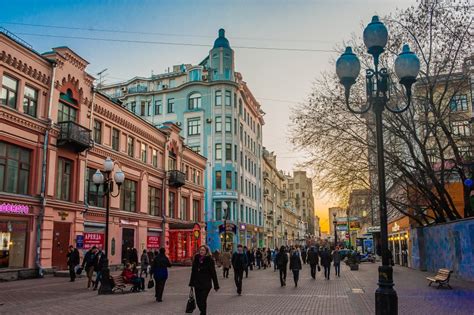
(313, 260)
(73, 260)
(326, 259)
(282, 263)
(239, 263)
(99, 261)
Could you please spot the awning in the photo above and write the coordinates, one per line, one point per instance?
(181, 226)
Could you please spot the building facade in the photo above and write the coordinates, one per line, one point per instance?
(220, 119)
(55, 132)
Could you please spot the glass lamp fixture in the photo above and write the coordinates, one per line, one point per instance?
(108, 165)
(375, 37)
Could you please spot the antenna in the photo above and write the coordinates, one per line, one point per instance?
(100, 77)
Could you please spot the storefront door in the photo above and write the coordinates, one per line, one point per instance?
(128, 243)
(61, 235)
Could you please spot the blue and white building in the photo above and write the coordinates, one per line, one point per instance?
(220, 119)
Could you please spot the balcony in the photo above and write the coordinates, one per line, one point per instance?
(74, 136)
(176, 178)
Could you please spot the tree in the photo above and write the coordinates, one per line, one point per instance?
(424, 150)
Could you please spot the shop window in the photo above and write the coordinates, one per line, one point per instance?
(128, 196)
(13, 243)
(97, 131)
(95, 197)
(30, 101)
(154, 201)
(14, 168)
(9, 91)
(64, 179)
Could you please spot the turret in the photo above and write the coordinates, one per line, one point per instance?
(221, 59)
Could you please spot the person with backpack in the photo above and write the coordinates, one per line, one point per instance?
(88, 265)
(282, 262)
(313, 260)
(295, 264)
(73, 260)
(159, 269)
(239, 263)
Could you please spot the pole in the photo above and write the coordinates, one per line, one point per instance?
(386, 300)
(335, 232)
(349, 229)
(105, 285)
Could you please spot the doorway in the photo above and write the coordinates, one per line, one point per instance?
(128, 243)
(61, 236)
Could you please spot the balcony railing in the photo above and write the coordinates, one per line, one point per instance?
(74, 136)
(177, 178)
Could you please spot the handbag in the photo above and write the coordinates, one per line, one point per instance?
(78, 270)
(151, 283)
(319, 268)
(191, 305)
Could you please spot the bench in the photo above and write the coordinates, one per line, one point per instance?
(120, 285)
(441, 278)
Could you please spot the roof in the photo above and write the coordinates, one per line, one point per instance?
(221, 41)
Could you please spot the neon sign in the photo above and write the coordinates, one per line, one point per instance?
(13, 208)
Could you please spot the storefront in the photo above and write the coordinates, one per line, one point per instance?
(398, 242)
(184, 240)
(227, 235)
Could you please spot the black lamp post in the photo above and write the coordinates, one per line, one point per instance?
(108, 184)
(335, 228)
(407, 67)
(349, 228)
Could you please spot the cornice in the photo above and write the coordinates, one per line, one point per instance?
(23, 120)
(23, 67)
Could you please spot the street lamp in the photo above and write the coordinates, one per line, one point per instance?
(349, 228)
(335, 228)
(108, 184)
(224, 207)
(407, 66)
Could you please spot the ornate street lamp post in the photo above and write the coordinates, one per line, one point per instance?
(108, 184)
(225, 207)
(407, 67)
(335, 228)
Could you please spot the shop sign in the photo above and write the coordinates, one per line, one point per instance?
(243, 227)
(395, 227)
(14, 208)
(230, 227)
(79, 241)
(373, 229)
(126, 222)
(341, 227)
(93, 239)
(153, 242)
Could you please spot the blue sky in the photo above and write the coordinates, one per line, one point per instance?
(278, 79)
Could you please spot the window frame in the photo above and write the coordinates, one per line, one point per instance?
(30, 100)
(154, 201)
(218, 98)
(115, 139)
(218, 148)
(63, 179)
(97, 131)
(170, 105)
(194, 129)
(129, 203)
(9, 90)
(22, 169)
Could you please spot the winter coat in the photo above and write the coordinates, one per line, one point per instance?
(144, 261)
(73, 258)
(313, 257)
(88, 260)
(225, 260)
(326, 258)
(203, 273)
(239, 261)
(281, 260)
(295, 261)
(259, 255)
(159, 267)
(336, 257)
(99, 260)
(134, 256)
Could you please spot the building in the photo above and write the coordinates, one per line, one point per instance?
(220, 119)
(317, 227)
(56, 130)
(341, 222)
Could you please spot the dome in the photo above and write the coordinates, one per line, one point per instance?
(221, 41)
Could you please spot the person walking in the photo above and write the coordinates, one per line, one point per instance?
(295, 265)
(99, 261)
(313, 260)
(225, 262)
(274, 254)
(73, 260)
(269, 257)
(326, 259)
(239, 263)
(203, 277)
(336, 256)
(159, 269)
(247, 253)
(88, 264)
(303, 254)
(144, 263)
(252, 258)
(134, 256)
(282, 262)
(258, 257)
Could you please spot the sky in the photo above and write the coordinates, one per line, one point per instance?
(279, 79)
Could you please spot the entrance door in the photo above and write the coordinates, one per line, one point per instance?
(128, 242)
(61, 236)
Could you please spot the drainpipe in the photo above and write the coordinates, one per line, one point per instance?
(163, 193)
(39, 221)
(86, 191)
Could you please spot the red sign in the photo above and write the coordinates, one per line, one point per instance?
(153, 242)
(93, 239)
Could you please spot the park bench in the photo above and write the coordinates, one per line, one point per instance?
(441, 278)
(121, 285)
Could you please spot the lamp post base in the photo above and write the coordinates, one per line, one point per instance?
(105, 280)
(386, 299)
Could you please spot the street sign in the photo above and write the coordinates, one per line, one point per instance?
(79, 241)
(93, 239)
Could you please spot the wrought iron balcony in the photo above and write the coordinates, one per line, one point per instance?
(176, 178)
(74, 136)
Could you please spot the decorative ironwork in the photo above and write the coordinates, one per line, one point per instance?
(74, 136)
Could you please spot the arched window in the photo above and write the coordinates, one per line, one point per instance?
(194, 101)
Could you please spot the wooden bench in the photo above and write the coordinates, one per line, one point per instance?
(441, 278)
(120, 285)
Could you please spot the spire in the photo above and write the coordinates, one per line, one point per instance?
(221, 41)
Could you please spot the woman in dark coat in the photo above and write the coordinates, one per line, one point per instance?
(203, 277)
(159, 269)
(295, 265)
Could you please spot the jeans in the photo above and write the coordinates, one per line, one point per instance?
(327, 271)
(201, 299)
(296, 276)
(225, 272)
(313, 270)
(282, 276)
(159, 288)
(238, 275)
(97, 279)
(337, 268)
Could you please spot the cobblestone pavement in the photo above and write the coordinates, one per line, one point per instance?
(262, 294)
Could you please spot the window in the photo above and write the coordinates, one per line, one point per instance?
(143, 108)
(228, 180)
(458, 103)
(94, 196)
(9, 91)
(183, 210)
(196, 148)
(194, 101)
(228, 152)
(154, 201)
(198, 178)
(14, 169)
(196, 211)
(228, 98)
(461, 128)
(228, 124)
(297, 186)
(218, 180)
(128, 195)
(195, 75)
(235, 100)
(63, 179)
(133, 107)
(97, 131)
(240, 107)
(158, 107)
(235, 126)
(154, 157)
(235, 152)
(465, 152)
(194, 127)
(218, 210)
(172, 204)
(218, 151)
(30, 101)
(171, 105)
(115, 139)
(66, 112)
(241, 132)
(171, 161)
(218, 100)
(218, 124)
(144, 152)
(130, 146)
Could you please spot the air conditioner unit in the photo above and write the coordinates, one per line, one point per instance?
(164, 86)
(209, 120)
